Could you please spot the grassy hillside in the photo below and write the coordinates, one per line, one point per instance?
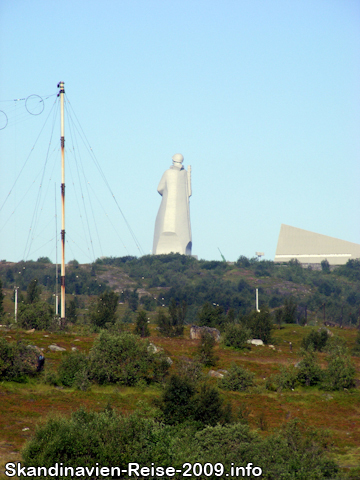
(157, 280)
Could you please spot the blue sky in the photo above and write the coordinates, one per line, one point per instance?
(261, 97)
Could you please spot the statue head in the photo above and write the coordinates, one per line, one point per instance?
(177, 160)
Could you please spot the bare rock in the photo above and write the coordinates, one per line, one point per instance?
(256, 341)
(215, 374)
(154, 349)
(195, 332)
(56, 348)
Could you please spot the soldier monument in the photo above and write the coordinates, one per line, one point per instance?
(172, 226)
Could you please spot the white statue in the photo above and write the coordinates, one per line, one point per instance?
(172, 226)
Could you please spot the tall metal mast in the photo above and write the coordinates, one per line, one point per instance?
(62, 142)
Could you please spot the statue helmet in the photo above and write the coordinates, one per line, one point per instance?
(178, 158)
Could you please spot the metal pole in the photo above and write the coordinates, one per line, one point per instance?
(257, 300)
(62, 142)
(16, 300)
(56, 262)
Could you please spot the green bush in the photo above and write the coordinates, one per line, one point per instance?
(104, 310)
(175, 404)
(182, 401)
(285, 380)
(315, 340)
(309, 371)
(289, 310)
(142, 327)
(340, 372)
(206, 352)
(70, 366)
(172, 325)
(236, 335)
(38, 315)
(260, 324)
(209, 407)
(17, 361)
(238, 379)
(110, 439)
(356, 349)
(124, 358)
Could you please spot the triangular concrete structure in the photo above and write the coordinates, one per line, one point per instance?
(310, 247)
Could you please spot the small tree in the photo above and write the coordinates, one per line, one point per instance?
(177, 315)
(325, 266)
(238, 379)
(211, 315)
(289, 312)
(141, 327)
(71, 312)
(236, 335)
(33, 291)
(315, 340)
(172, 325)
(175, 404)
(163, 322)
(36, 315)
(340, 372)
(70, 366)
(125, 359)
(356, 349)
(104, 311)
(209, 406)
(260, 324)
(133, 300)
(243, 262)
(44, 260)
(17, 361)
(279, 317)
(206, 350)
(309, 371)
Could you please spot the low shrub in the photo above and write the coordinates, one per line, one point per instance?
(124, 358)
(285, 380)
(17, 361)
(236, 335)
(206, 354)
(70, 367)
(309, 371)
(105, 438)
(315, 340)
(142, 327)
(237, 380)
(38, 315)
(183, 401)
(340, 372)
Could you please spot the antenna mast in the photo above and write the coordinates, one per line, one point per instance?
(56, 259)
(62, 142)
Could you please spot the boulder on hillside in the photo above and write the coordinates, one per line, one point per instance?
(256, 341)
(56, 348)
(195, 332)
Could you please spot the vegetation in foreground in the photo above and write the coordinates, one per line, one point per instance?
(161, 377)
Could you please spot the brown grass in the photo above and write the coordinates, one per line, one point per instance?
(25, 405)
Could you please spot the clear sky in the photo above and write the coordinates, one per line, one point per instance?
(261, 97)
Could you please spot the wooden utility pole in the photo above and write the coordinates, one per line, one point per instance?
(62, 143)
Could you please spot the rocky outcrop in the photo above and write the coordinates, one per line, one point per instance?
(195, 332)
